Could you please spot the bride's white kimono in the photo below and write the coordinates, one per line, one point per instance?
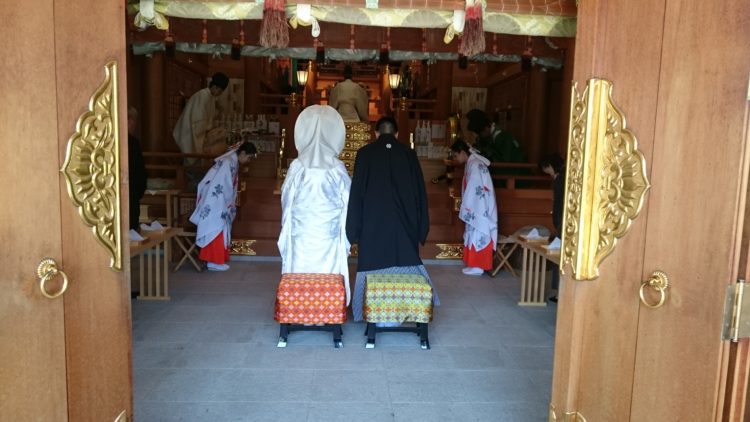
(215, 207)
(315, 197)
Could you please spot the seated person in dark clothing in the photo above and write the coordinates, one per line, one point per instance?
(136, 171)
(554, 166)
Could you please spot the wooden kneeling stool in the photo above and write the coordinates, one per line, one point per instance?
(397, 299)
(311, 302)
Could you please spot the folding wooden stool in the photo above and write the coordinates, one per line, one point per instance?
(311, 302)
(397, 299)
(186, 242)
(506, 245)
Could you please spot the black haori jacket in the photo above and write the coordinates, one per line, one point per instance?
(387, 213)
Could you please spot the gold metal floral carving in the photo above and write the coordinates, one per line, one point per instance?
(92, 167)
(450, 251)
(242, 247)
(565, 417)
(606, 180)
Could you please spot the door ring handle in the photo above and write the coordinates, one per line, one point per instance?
(47, 270)
(659, 282)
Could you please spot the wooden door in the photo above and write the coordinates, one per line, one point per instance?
(679, 71)
(66, 358)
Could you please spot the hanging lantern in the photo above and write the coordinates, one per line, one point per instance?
(274, 31)
(394, 80)
(472, 41)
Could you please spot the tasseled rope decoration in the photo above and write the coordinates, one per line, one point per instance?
(274, 31)
(472, 41)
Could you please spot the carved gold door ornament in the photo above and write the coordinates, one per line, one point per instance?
(606, 180)
(92, 167)
(564, 417)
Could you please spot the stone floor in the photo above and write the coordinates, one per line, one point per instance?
(210, 354)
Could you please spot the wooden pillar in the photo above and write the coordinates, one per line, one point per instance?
(386, 95)
(402, 118)
(534, 140)
(252, 85)
(312, 82)
(567, 82)
(156, 136)
(442, 73)
(295, 107)
(135, 90)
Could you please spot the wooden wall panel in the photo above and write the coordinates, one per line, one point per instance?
(697, 174)
(97, 303)
(586, 378)
(32, 331)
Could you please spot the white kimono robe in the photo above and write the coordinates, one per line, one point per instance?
(313, 239)
(215, 207)
(478, 205)
(351, 101)
(194, 122)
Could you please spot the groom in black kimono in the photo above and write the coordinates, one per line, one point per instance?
(387, 214)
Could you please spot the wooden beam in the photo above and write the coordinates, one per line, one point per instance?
(336, 35)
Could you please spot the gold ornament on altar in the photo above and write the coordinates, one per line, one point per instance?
(450, 251)
(242, 247)
(606, 180)
(92, 167)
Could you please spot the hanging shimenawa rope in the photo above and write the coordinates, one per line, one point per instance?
(274, 31)
(472, 41)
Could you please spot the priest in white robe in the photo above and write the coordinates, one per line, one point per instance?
(215, 206)
(197, 118)
(350, 99)
(478, 209)
(314, 198)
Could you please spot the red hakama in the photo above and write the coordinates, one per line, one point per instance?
(479, 259)
(215, 251)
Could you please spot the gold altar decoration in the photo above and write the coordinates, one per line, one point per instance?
(358, 134)
(606, 180)
(92, 167)
(450, 251)
(242, 247)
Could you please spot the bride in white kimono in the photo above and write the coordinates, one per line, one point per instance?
(314, 198)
